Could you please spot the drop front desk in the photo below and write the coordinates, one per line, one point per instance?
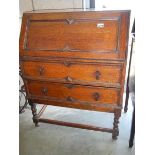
(76, 59)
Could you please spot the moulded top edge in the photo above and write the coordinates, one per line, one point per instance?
(77, 10)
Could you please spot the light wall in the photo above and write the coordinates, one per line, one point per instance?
(26, 5)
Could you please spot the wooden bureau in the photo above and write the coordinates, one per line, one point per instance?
(76, 59)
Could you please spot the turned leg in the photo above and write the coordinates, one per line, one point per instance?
(34, 113)
(115, 124)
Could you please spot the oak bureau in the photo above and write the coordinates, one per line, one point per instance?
(76, 59)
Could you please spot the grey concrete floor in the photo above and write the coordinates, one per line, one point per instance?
(50, 139)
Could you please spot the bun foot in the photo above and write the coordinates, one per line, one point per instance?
(114, 137)
(34, 113)
(36, 125)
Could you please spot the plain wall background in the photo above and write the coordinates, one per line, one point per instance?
(26, 5)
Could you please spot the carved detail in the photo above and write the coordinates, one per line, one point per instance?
(66, 63)
(97, 74)
(69, 79)
(115, 124)
(66, 48)
(70, 21)
(96, 96)
(69, 86)
(34, 113)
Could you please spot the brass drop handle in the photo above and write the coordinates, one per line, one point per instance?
(44, 91)
(70, 99)
(41, 71)
(97, 74)
(96, 96)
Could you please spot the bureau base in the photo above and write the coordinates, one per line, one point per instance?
(37, 118)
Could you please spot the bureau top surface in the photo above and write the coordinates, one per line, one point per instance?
(76, 10)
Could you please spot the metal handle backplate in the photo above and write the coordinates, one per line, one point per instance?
(41, 71)
(97, 74)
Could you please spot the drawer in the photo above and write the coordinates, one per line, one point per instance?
(74, 72)
(76, 35)
(73, 93)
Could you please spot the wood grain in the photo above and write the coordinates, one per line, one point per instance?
(48, 34)
(56, 35)
(76, 92)
(81, 126)
(77, 59)
(78, 72)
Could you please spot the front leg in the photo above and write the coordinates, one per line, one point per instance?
(115, 124)
(34, 113)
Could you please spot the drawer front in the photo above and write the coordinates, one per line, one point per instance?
(80, 73)
(75, 35)
(73, 93)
